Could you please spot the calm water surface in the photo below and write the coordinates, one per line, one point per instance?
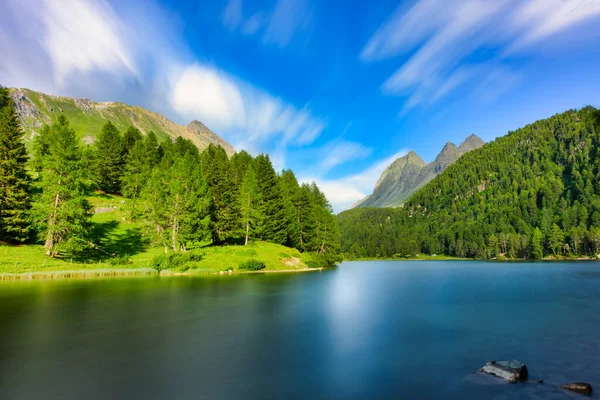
(398, 330)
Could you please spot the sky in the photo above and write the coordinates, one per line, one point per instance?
(334, 90)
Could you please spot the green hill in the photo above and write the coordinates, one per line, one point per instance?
(530, 194)
(35, 109)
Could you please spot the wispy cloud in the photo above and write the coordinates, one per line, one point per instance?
(248, 116)
(277, 26)
(232, 14)
(442, 35)
(83, 37)
(339, 152)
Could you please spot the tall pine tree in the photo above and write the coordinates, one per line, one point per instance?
(249, 201)
(271, 221)
(109, 158)
(62, 212)
(224, 209)
(15, 202)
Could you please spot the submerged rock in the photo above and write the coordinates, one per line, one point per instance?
(511, 371)
(578, 387)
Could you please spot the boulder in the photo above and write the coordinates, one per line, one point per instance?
(512, 371)
(578, 387)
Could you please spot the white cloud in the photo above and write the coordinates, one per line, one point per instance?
(342, 193)
(247, 116)
(232, 14)
(204, 93)
(443, 34)
(83, 36)
(547, 17)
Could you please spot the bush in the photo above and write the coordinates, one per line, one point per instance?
(120, 260)
(322, 260)
(252, 265)
(181, 261)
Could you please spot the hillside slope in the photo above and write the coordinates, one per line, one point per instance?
(407, 174)
(533, 193)
(87, 117)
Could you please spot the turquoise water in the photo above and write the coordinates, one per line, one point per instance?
(397, 330)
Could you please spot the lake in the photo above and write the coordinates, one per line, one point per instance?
(381, 329)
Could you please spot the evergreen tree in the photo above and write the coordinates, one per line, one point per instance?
(109, 158)
(289, 190)
(249, 201)
(556, 239)
(131, 136)
(224, 207)
(61, 212)
(176, 203)
(271, 210)
(15, 202)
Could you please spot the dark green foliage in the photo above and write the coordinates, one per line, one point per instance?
(271, 221)
(181, 261)
(110, 156)
(15, 193)
(224, 194)
(532, 193)
(252, 265)
(61, 212)
(131, 136)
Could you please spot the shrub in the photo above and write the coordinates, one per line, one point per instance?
(181, 261)
(120, 260)
(252, 265)
(322, 260)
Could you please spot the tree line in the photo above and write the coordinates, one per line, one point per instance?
(177, 193)
(533, 193)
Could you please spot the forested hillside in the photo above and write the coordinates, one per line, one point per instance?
(177, 196)
(533, 193)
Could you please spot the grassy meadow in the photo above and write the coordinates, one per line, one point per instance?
(124, 252)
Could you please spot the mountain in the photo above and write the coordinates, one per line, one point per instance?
(408, 173)
(87, 117)
(534, 193)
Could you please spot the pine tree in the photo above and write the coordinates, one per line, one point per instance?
(290, 192)
(249, 198)
(61, 212)
(271, 211)
(224, 208)
(537, 248)
(15, 201)
(131, 136)
(176, 203)
(109, 158)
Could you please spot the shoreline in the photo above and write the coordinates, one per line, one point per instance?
(131, 272)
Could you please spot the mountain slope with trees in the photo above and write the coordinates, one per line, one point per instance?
(533, 193)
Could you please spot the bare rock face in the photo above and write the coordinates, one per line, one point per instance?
(512, 371)
(578, 387)
(409, 173)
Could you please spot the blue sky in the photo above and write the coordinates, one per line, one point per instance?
(334, 90)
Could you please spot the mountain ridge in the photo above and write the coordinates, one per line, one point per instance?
(405, 175)
(35, 109)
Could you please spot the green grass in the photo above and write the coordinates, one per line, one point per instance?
(118, 236)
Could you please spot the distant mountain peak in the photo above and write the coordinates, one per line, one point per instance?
(409, 173)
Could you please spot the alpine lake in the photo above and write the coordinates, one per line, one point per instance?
(363, 330)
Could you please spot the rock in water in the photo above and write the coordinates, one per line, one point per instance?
(578, 387)
(511, 371)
